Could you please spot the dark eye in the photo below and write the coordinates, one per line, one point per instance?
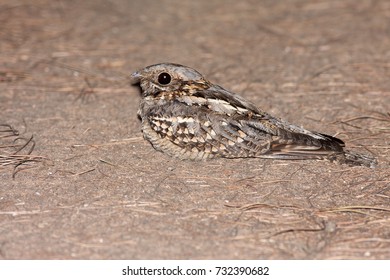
(164, 78)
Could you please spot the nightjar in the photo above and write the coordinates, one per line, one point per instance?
(186, 116)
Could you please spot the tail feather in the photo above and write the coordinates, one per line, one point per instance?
(316, 146)
(353, 159)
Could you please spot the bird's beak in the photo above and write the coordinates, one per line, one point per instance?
(135, 77)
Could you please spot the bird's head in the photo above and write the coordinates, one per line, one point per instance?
(168, 77)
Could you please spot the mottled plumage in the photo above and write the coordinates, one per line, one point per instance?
(186, 116)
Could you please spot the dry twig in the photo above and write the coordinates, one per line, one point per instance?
(17, 151)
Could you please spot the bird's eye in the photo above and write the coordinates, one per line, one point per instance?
(164, 78)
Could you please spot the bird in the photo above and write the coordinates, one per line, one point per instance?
(186, 116)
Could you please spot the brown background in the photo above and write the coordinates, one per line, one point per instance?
(96, 190)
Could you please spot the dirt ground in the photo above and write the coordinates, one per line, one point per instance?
(79, 182)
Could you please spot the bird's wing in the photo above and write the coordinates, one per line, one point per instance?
(288, 141)
(245, 130)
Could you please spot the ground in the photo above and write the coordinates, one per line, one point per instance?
(78, 181)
